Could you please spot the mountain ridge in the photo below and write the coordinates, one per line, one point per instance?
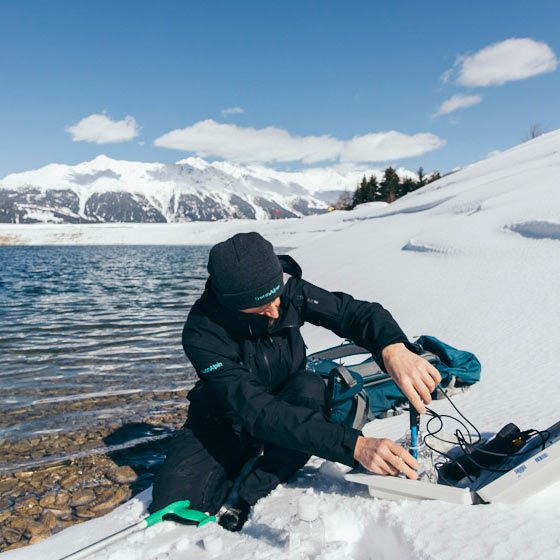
(109, 190)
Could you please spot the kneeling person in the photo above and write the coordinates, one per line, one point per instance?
(255, 397)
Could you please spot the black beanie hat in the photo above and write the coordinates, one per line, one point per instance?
(245, 272)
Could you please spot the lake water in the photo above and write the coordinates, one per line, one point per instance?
(90, 340)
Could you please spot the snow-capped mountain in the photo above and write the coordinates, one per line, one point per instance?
(108, 190)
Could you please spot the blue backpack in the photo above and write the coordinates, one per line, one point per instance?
(359, 393)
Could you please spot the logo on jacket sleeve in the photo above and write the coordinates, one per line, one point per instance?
(212, 367)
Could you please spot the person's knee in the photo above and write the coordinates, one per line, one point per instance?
(199, 467)
(206, 491)
(305, 389)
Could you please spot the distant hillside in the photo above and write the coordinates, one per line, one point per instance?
(108, 190)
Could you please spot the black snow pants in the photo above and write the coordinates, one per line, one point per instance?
(207, 455)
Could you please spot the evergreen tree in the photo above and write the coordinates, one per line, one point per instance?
(433, 177)
(359, 193)
(421, 178)
(389, 185)
(407, 185)
(371, 189)
(389, 189)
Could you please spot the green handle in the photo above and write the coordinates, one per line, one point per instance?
(180, 509)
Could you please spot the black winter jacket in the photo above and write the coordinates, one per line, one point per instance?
(242, 362)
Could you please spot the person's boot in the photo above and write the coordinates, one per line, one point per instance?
(235, 516)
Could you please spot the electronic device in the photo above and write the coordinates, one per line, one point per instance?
(506, 468)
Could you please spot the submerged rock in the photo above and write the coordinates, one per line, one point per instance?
(38, 502)
(109, 499)
(82, 497)
(29, 506)
(5, 504)
(71, 482)
(37, 528)
(123, 475)
(13, 531)
(57, 501)
(85, 512)
(49, 520)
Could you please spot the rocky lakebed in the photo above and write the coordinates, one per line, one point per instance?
(78, 475)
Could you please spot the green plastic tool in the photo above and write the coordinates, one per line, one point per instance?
(180, 509)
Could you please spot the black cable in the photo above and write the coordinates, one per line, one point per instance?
(461, 438)
(461, 414)
(466, 447)
(436, 416)
(439, 417)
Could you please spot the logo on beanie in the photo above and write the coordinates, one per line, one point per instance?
(213, 367)
(269, 293)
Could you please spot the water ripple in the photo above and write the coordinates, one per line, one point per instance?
(98, 326)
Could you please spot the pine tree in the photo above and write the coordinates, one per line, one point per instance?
(389, 189)
(389, 185)
(407, 185)
(371, 189)
(421, 178)
(359, 193)
(433, 177)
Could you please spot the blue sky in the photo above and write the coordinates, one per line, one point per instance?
(312, 83)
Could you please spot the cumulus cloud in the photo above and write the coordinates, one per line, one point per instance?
(383, 146)
(458, 101)
(507, 61)
(101, 129)
(232, 111)
(248, 145)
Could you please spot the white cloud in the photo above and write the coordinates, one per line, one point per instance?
(507, 61)
(211, 139)
(99, 128)
(384, 146)
(232, 111)
(458, 101)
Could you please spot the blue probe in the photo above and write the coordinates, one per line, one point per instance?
(414, 427)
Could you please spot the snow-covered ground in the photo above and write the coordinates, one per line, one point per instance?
(282, 233)
(473, 259)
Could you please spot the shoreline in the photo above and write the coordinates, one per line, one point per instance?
(96, 469)
(286, 232)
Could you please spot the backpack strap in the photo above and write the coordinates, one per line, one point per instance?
(354, 385)
(341, 351)
(346, 376)
(354, 392)
(363, 413)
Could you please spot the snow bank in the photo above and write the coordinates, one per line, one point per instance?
(282, 233)
(473, 259)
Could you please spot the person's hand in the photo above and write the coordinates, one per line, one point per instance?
(384, 456)
(414, 375)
